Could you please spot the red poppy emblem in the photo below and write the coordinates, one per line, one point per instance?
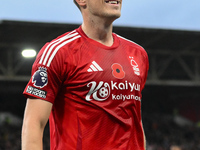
(118, 71)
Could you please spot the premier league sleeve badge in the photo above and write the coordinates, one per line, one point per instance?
(40, 77)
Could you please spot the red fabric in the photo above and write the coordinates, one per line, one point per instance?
(95, 91)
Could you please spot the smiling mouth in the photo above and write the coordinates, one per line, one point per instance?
(112, 2)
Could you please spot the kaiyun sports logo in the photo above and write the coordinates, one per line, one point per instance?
(102, 91)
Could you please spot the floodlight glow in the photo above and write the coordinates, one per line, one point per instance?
(29, 53)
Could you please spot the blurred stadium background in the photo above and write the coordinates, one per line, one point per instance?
(171, 98)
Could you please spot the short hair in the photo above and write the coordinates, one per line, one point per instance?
(77, 4)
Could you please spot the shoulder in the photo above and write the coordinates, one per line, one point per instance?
(132, 44)
(58, 48)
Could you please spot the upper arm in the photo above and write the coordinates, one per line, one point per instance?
(37, 111)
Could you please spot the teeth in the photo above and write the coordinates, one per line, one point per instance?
(112, 2)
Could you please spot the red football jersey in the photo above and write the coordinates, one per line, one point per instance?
(95, 91)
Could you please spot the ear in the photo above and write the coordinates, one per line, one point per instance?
(81, 3)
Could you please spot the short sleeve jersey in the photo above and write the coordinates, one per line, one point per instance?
(95, 91)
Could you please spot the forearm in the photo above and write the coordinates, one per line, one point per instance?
(35, 119)
(144, 137)
(145, 145)
(32, 136)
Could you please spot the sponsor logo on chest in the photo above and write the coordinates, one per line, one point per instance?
(102, 90)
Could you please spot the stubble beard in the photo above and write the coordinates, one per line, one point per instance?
(106, 15)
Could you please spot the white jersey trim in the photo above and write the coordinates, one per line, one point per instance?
(61, 45)
(128, 40)
(50, 51)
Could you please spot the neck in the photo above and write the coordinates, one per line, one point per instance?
(98, 30)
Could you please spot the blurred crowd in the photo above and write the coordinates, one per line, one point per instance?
(10, 137)
(162, 133)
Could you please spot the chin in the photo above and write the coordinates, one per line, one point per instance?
(115, 16)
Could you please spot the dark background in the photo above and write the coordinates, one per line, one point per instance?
(172, 87)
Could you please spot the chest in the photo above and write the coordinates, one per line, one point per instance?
(121, 68)
(123, 64)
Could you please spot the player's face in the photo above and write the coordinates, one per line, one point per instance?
(105, 8)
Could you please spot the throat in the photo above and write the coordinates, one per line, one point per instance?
(99, 32)
(108, 42)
